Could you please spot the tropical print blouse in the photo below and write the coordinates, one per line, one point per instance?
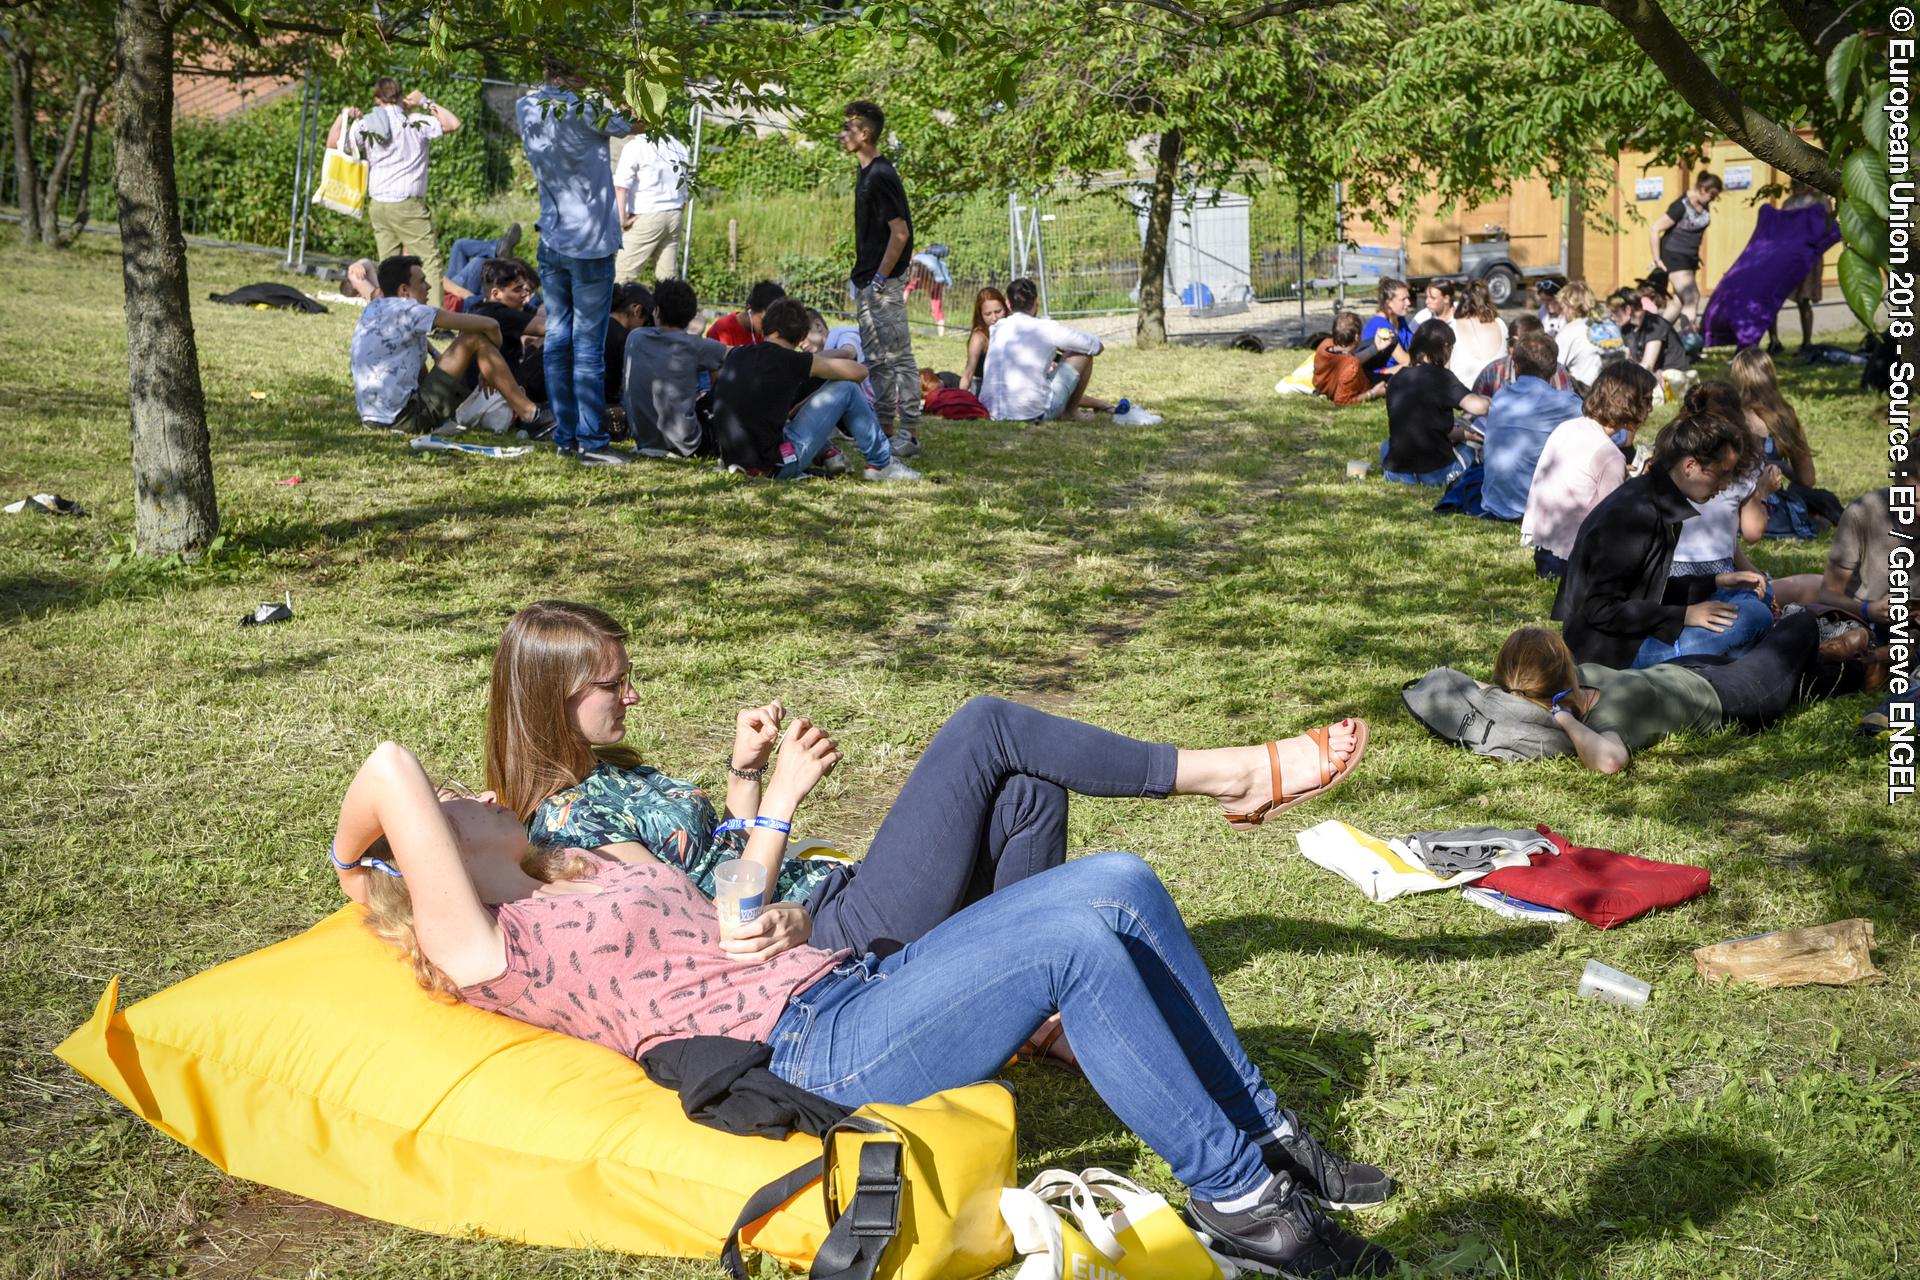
(674, 820)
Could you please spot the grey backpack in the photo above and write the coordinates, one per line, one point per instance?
(1486, 721)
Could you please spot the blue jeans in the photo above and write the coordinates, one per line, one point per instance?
(579, 294)
(465, 250)
(835, 403)
(1441, 477)
(1098, 940)
(1748, 630)
(985, 808)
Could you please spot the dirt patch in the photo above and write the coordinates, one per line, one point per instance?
(270, 1235)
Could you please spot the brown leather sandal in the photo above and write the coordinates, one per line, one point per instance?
(1331, 776)
(1048, 1047)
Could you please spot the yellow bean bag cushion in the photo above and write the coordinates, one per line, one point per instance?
(318, 1067)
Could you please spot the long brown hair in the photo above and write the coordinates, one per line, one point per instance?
(989, 293)
(390, 908)
(1753, 376)
(1535, 663)
(550, 650)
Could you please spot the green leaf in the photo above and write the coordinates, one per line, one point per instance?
(1861, 285)
(1841, 64)
(1576, 1116)
(1873, 120)
(1864, 175)
(949, 44)
(1864, 231)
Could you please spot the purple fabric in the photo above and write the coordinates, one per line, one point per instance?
(1785, 246)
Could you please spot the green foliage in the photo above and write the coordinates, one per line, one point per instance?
(1859, 94)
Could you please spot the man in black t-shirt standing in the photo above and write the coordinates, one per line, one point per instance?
(882, 250)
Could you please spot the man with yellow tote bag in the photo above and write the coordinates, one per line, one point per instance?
(393, 139)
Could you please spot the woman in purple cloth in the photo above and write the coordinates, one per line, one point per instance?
(1788, 242)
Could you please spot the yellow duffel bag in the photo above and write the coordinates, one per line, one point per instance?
(318, 1066)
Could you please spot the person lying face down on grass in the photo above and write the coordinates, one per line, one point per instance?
(985, 806)
(1607, 714)
(630, 955)
(392, 387)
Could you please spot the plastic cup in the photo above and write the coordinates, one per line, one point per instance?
(1357, 469)
(739, 891)
(1606, 983)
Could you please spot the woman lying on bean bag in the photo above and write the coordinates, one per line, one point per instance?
(630, 954)
(985, 807)
(1607, 714)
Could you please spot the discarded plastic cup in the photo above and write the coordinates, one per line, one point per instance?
(1604, 982)
(739, 891)
(1357, 469)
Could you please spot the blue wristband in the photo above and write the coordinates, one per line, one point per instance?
(741, 824)
(364, 863)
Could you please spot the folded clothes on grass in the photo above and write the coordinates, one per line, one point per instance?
(1448, 853)
(1382, 869)
(1600, 886)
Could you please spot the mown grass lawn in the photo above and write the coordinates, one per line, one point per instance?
(170, 781)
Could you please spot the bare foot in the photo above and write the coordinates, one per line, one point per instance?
(1299, 768)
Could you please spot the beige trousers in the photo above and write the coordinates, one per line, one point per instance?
(403, 226)
(653, 238)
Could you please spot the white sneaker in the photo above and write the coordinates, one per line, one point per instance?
(894, 470)
(1135, 416)
(834, 463)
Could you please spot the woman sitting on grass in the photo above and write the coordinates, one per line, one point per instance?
(1607, 714)
(985, 807)
(1797, 509)
(989, 308)
(1584, 460)
(1424, 444)
(630, 955)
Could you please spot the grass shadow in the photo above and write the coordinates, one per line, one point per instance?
(1671, 1182)
(1229, 942)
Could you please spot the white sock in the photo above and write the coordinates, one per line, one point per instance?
(1284, 1129)
(1240, 1204)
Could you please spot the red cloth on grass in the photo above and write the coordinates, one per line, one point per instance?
(1600, 886)
(957, 403)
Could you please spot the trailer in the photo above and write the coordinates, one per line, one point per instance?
(1508, 242)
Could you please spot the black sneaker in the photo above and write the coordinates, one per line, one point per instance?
(1335, 1181)
(604, 458)
(565, 451)
(504, 246)
(1286, 1234)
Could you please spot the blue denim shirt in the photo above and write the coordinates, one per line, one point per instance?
(1524, 413)
(566, 143)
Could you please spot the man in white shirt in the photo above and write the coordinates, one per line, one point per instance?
(1035, 368)
(393, 139)
(650, 182)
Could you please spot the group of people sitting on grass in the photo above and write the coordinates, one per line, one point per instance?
(765, 389)
(574, 893)
(1669, 623)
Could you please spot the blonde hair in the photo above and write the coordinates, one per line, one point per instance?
(1576, 300)
(549, 652)
(1753, 376)
(389, 912)
(1535, 663)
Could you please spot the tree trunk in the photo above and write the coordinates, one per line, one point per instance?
(1151, 329)
(173, 503)
(26, 170)
(82, 119)
(84, 211)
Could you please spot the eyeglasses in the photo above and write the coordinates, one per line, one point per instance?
(622, 683)
(454, 789)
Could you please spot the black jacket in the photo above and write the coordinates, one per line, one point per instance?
(1616, 591)
(725, 1084)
